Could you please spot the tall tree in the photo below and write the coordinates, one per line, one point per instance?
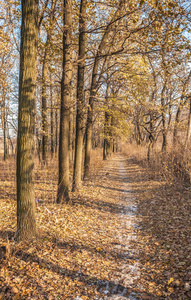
(26, 224)
(80, 98)
(4, 118)
(44, 102)
(107, 121)
(188, 133)
(66, 100)
(46, 58)
(51, 119)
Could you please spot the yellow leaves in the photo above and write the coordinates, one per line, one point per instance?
(99, 249)
(152, 286)
(159, 294)
(170, 281)
(170, 289)
(84, 297)
(31, 250)
(157, 244)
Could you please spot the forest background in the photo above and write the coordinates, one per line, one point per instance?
(79, 81)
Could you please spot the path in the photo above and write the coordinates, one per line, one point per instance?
(113, 182)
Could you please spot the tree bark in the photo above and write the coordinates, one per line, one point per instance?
(106, 143)
(5, 137)
(80, 100)
(56, 131)
(4, 122)
(26, 224)
(63, 183)
(51, 121)
(163, 114)
(44, 103)
(71, 136)
(188, 134)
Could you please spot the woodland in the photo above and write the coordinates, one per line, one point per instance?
(95, 149)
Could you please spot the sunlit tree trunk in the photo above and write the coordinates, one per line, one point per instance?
(163, 114)
(44, 103)
(188, 134)
(5, 156)
(26, 224)
(80, 100)
(71, 135)
(4, 123)
(107, 119)
(56, 132)
(176, 123)
(51, 121)
(111, 135)
(151, 138)
(66, 102)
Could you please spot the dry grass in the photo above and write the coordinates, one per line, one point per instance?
(173, 166)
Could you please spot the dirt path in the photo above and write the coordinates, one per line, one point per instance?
(113, 183)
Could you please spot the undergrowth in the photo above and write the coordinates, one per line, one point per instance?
(172, 165)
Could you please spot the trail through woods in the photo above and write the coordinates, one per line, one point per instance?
(114, 179)
(125, 235)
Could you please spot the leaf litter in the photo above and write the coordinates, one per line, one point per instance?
(99, 246)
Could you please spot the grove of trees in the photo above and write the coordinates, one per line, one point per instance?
(89, 74)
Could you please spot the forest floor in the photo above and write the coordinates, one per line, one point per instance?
(125, 235)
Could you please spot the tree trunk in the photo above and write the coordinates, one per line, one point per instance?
(164, 132)
(44, 104)
(26, 224)
(56, 133)
(63, 183)
(80, 100)
(188, 134)
(111, 125)
(51, 121)
(177, 120)
(151, 137)
(12, 146)
(106, 143)
(4, 123)
(71, 134)
(5, 138)
(163, 113)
